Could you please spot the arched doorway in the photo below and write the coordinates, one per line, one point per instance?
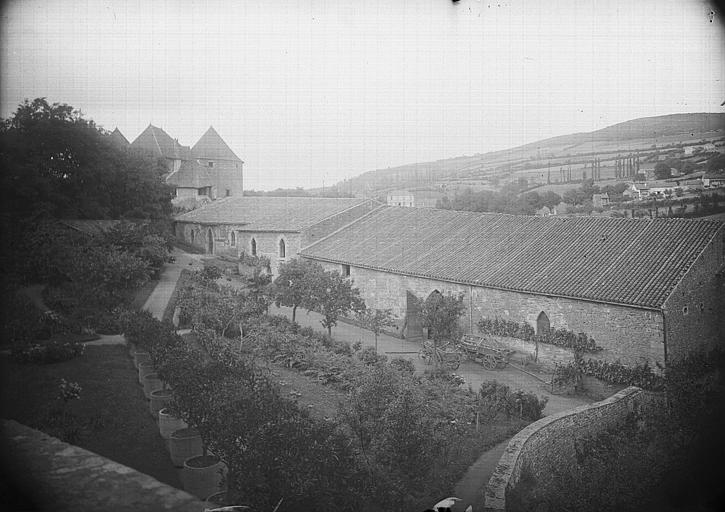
(543, 326)
(282, 248)
(254, 247)
(210, 242)
(193, 235)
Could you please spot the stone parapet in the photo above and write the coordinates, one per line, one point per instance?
(49, 474)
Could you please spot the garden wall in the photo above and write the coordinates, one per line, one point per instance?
(550, 442)
(58, 476)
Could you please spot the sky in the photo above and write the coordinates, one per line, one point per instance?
(310, 92)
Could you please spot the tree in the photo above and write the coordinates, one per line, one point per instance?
(662, 171)
(333, 296)
(291, 288)
(376, 320)
(58, 164)
(440, 314)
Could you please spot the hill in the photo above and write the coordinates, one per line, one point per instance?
(554, 160)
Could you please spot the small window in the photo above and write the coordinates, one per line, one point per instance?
(254, 247)
(234, 239)
(229, 192)
(211, 164)
(685, 310)
(346, 270)
(282, 248)
(192, 237)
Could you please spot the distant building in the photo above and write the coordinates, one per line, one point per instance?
(401, 198)
(600, 200)
(713, 179)
(637, 191)
(209, 169)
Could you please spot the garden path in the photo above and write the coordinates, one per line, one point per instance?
(159, 298)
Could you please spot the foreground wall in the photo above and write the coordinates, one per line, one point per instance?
(630, 335)
(58, 476)
(550, 442)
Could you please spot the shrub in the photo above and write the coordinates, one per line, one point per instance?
(370, 357)
(495, 398)
(403, 365)
(579, 342)
(51, 352)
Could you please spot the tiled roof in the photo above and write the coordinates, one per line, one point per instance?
(190, 175)
(118, 138)
(269, 213)
(213, 147)
(156, 141)
(622, 261)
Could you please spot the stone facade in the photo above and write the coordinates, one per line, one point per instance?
(551, 442)
(694, 312)
(227, 176)
(629, 334)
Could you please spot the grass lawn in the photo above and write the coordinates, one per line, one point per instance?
(112, 411)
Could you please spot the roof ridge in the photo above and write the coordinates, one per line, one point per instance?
(344, 227)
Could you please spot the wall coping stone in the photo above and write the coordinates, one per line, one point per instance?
(509, 467)
(63, 477)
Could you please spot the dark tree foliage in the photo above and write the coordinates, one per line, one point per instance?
(56, 163)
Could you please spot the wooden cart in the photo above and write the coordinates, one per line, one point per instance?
(477, 349)
(446, 357)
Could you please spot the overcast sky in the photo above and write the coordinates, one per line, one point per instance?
(309, 90)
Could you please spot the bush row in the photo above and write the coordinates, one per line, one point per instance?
(640, 375)
(578, 342)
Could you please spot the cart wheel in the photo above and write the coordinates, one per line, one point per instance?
(489, 362)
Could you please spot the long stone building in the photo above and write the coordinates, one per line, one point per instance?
(275, 227)
(646, 290)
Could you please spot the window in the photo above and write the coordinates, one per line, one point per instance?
(211, 164)
(254, 247)
(282, 248)
(346, 270)
(233, 238)
(685, 310)
(192, 237)
(229, 192)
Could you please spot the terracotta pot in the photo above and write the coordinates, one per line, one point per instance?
(169, 423)
(143, 370)
(203, 475)
(185, 444)
(152, 382)
(140, 356)
(158, 400)
(220, 499)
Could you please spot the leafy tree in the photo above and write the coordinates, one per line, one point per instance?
(291, 288)
(376, 320)
(57, 163)
(440, 314)
(333, 296)
(662, 171)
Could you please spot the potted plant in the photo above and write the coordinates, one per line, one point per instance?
(184, 443)
(151, 382)
(158, 400)
(203, 475)
(168, 423)
(143, 370)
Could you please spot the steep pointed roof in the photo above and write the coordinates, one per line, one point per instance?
(156, 141)
(190, 175)
(213, 147)
(118, 138)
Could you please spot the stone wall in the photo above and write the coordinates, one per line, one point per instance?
(630, 335)
(52, 475)
(695, 311)
(550, 442)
